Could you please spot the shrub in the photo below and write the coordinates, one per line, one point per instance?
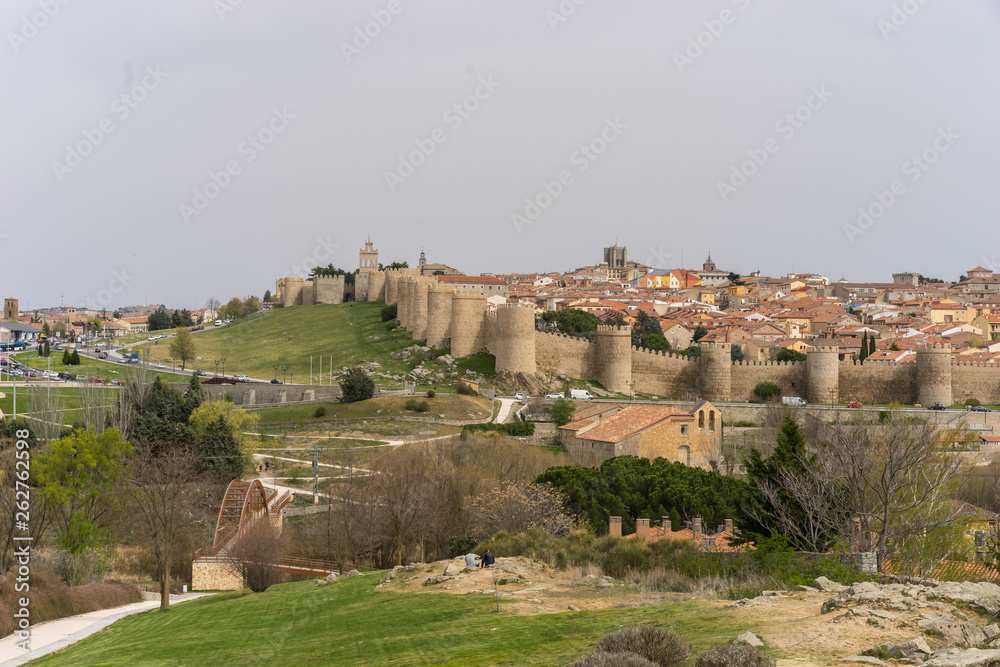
(654, 644)
(466, 389)
(604, 659)
(431, 393)
(562, 411)
(734, 655)
(516, 429)
(972, 402)
(389, 326)
(357, 385)
(411, 404)
(884, 416)
(422, 406)
(561, 563)
(320, 412)
(389, 312)
(744, 424)
(766, 390)
(624, 556)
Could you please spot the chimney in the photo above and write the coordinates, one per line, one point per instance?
(697, 529)
(616, 526)
(666, 526)
(642, 528)
(729, 525)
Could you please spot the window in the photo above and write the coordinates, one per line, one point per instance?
(711, 420)
(684, 430)
(684, 455)
(701, 419)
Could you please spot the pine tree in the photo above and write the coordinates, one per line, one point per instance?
(75, 358)
(864, 347)
(48, 350)
(65, 358)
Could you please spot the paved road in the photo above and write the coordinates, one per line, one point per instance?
(505, 406)
(56, 635)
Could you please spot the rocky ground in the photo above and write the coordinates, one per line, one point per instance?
(936, 624)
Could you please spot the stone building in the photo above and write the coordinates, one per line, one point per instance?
(693, 437)
(10, 309)
(616, 256)
(296, 291)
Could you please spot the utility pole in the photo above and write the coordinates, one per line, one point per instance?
(316, 474)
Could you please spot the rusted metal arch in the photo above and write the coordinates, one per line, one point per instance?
(242, 503)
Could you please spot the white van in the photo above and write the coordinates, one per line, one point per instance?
(793, 401)
(580, 395)
(218, 323)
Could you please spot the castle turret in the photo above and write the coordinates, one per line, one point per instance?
(512, 339)
(467, 323)
(418, 308)
(823, 367)
(391, 286)
(614, 358)
(404, 302)
(716, 371)
(439, 315)
(376, 286)
(934, 375)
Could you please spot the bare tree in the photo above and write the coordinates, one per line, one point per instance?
(213, 304)
(255, 553)
(164, 493)
(517, 507)
(802, 506)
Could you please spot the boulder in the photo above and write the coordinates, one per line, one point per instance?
(915, 649)
(759, 601)
(572, 608)
(437, 580)
(868, 659)
(748, 638)
(972, 657)
(330, 578)
(992, 631)
(830, 605)
(973, 635)
(452, 569)
(825, 584)
(353, 573)
(806, 589)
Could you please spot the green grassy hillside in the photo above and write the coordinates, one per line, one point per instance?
(287, 337)
(350, 623)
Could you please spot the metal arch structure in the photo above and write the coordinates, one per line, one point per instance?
(244, 503)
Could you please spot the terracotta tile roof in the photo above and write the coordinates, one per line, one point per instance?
(631, 420)
(476, 280)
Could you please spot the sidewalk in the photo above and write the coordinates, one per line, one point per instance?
(58, 634)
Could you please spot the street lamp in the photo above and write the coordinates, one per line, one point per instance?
(275, 367)
(284, 373)
(216, 368)
(223, 367)
(833, 392)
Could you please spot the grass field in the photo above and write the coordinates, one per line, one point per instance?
(452, 406)
(286, 338)
(105, 370)
(351, 623)
(69, 398)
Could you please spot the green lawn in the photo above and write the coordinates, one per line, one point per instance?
(288, 337)
(457, 407)
(69, 397)
(351, 623)
(106, 370)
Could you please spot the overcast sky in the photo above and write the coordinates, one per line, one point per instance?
(110, 200)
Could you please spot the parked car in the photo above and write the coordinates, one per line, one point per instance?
(159, 366)
(519, 396)
(980, 408)
(793, 401)
(241, 378)
(555, 395)
(200, 373)
(580, 395)
(276, 381)
(936, 406)
(854, 404)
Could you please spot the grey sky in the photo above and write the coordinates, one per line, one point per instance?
(680, 129)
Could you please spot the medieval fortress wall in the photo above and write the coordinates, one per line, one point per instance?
(464, 321)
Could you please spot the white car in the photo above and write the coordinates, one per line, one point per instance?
(242, 378)
(519, 396)
(555, 395)
(159, 366)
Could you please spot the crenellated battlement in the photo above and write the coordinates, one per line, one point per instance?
(614, 329)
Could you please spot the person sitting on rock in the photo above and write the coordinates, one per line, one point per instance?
(487, 559)
(470, 559)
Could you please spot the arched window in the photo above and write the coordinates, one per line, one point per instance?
(684, 430)
(711, 420)
(684, 455)
(701, 419)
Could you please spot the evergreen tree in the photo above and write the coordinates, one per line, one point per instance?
(219, 452)
(65, 358)
(864, 348)
(48, 350)
(74, 359)
(193, 397)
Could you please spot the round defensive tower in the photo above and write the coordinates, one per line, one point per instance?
(418, 308)
(439, 315)
(823, 370)
(405, 302)
(934, 375)
(614, 358)
(376, 286)
(391, 286)
(468, 312)
(514, 338)
(716, 368)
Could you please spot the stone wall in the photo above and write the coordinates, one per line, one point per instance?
(664, 374)
(211, 575)
(980, 380)
(790, 376)
(563, 355)
(328, 289)
(877, 382)
(259, 394)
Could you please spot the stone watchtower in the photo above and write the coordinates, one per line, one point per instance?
(403, 299)
(614, 358)
(514, 338)
(10, 309)
(368, 258)
(468, 310)
(716, 368)
(439, 316)
(417, 310)
(934, 375)
(823, 368)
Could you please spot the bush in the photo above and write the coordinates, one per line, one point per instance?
(410, 405)
(422, 406)
(766, 390)
(562, 411)
(734, 655)
(972, 402)
(516, 429)
(561, 563)
(357, 385)
(389, 312)
(744, 424)
(431, 393)
(389, 326)
(466, 389)
(624, 556)
(320, 412)
(603, 659)
(654, 644)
